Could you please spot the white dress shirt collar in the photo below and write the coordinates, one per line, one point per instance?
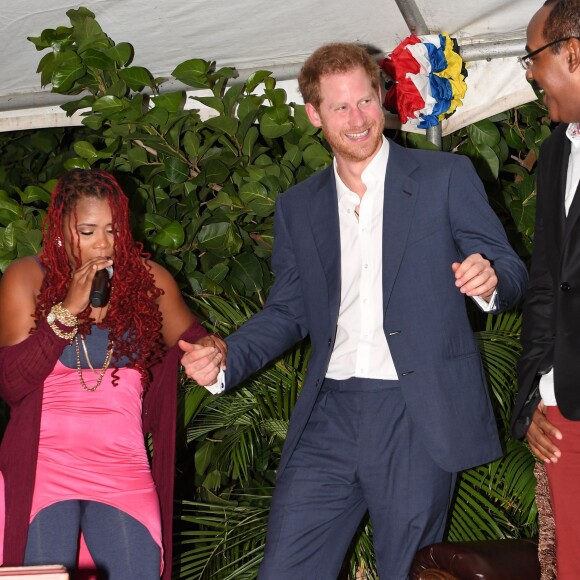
(375, 170)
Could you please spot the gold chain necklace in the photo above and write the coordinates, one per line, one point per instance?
(80, 370)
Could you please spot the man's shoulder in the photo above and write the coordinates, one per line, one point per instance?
(422, 156)
(320, 179)
(427, 161)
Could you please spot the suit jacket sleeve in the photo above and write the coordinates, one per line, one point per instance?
(281, 323)
(477, 230)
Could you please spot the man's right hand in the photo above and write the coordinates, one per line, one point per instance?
(541, 434)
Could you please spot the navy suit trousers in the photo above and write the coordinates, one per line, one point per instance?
(358, 452)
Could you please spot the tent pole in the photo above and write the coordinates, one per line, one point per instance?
(494, 49)
(417, 26)
(434, 135)
(412, 16)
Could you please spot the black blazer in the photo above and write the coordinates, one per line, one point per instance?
(551, 323)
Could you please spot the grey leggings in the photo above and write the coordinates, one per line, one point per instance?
(121, 547)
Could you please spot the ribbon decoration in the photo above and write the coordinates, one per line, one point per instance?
(427, 79)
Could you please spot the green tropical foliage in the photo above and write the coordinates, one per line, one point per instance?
(202, 191)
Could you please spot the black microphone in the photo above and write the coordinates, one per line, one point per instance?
(101, 289)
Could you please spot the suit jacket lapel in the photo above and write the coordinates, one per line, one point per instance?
(401, 193)
(324, 222)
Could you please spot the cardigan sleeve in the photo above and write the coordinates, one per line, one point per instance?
(25, 366)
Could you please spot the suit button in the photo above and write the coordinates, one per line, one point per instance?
(565, 287)
(329, 341)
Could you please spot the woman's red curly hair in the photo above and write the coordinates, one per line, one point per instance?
(133, 318)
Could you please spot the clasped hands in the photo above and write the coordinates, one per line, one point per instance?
(475, 276)
(203, 360)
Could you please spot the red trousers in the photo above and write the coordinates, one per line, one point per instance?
(564, 480)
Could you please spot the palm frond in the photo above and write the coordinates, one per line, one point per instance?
(500, 349)
(223, 541)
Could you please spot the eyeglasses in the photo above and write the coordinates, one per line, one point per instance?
(528, 60)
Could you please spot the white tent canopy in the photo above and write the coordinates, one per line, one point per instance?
(261, 34)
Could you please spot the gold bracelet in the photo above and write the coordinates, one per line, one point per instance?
(58, 313)
(61, 334)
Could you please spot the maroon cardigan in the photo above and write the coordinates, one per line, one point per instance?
(23, 369)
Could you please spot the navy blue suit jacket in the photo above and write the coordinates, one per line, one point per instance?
(435, 213)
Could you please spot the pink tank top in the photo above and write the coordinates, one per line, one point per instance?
(92, 446)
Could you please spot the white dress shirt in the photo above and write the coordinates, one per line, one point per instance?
(572, 179)
(360, 348)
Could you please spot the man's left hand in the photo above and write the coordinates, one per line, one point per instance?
(475, 276)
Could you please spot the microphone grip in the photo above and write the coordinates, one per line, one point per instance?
(100, 289)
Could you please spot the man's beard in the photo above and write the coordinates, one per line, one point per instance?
(353, 151)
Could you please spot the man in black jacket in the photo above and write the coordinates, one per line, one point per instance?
(547, 410)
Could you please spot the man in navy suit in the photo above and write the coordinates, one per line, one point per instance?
(373, 258)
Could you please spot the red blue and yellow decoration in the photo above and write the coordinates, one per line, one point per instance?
(427, 79)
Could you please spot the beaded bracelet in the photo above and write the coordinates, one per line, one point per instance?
(58, 313)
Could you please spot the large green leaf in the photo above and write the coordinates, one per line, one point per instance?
(171, 102)
(108, 105)
(216, 171)
(193, 73)
(137, 77)
(30, 244)
(247, 269)
(275, 122)
(211, 102)
(248, 108)
(34, 193)
(221, 237)
(85, 150)
(317, 156)
(9, 210)
(484, 133)
(170, 235)
(67, 69)
(98, 59)
(256, 78)
(255, 197)
(228, 125)
(121, 53)
(176, 170)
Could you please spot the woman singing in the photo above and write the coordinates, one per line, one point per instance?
(85, 384)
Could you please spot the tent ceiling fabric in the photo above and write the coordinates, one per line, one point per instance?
(258, 34)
